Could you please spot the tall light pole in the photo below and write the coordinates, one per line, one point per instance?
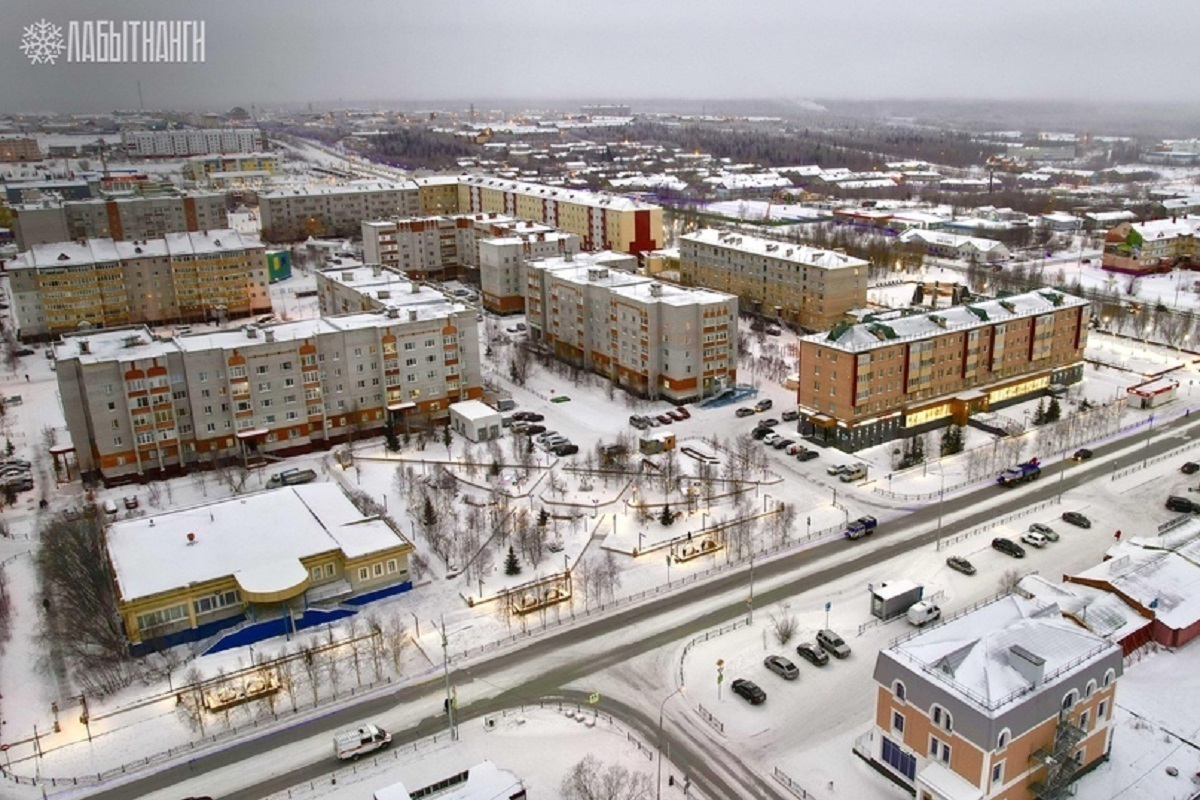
(1149, 433)
(451, 702)
(661, 707)
(750, 599)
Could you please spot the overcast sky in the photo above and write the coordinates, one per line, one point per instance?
(268, 52)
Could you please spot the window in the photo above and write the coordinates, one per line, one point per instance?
(997, 774)
(894, 756)
(205, 605)
(162, 616)
(1102, 710)
(1108, 678)
(898, 690)
(939, 749)
(1069, 701)
(1090, 689)
(391, 565)
(315, 572)
(261, 369)
(1002, 739)
(1084, 719)
(363, 573)
(897, 722)
(378, 570)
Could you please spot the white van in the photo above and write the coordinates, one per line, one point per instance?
(922, 612)
(855, 473)
(360, 741)
(110, 508)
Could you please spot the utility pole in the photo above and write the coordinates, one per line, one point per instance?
(446, 674)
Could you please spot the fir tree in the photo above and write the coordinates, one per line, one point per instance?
(543, 518)
(667, 516)
(429, 514)
(1039, 416)
(511, 565)
(952, 440)
(1053, 411)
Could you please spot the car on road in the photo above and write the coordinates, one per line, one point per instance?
(1075, 518)
(1008, 547)
(750, 691)
(764, 404)
(812, 653)
(1082, 454)
(1044, 530)
(791, 415)
(1190, 468)
(960, 564)
(769, 422)
(837, 469)
(745, 412)
(833, 644)
(1177, 503)
(781, 667)
(807, 455)
(1034, 538)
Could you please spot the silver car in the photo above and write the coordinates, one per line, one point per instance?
(782, 667)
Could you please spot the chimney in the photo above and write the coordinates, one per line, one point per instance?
(85, 346)
(1032, 667)
(412, 315)
(251, 332)
(393, 313)
(376, 270)
(656, 289)
(269, 334)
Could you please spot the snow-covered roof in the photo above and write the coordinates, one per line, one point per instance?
(113, 343)
(1164, 228)
(473, 410)
(594, 199)
(260, 537)
(485, 781)
(887, 331)
(353, 187)
(973, 655)
(1166, 582)
(101, 251)
(1103, 613)
(795, 253)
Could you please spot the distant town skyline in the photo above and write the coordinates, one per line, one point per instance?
(274, 52)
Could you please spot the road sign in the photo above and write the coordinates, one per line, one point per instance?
(828, 605)
(594, 698)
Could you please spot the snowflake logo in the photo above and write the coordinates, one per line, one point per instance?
(43, 42)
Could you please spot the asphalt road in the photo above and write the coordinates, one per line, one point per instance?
(684, 753)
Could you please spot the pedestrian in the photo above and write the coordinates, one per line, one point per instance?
(27, 377)
(1117, 536)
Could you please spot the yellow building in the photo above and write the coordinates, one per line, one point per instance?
(601, 221)
(439, 195)
(279, 561)
(203, 166)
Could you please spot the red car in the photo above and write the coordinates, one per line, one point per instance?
(664, 419)
(675, 415)
(683, 413)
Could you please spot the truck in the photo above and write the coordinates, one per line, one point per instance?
(922, 612)
(1022, 473)
(860, 527)
(291, 477)
(358, 742)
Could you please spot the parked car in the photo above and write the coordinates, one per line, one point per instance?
(1082, 454)
(1177, 503)
(664, 419)
(782, 443)
(923, 612)
(534, 430)
(675, 415)
(764, 404)
(1008, 547)
(131, 502)
(812, 653)
(1034, 538)
(745, 412)
(761, 433)
(769, 422)
(791, 415)
(960, 564)
(1044, 530)
(530, 416)
(16, 462)
(1075, 518)
(774, 330)
(750, 691)
(24, 351)
(807, 455)
(771, 438)
(794, 449)
(781, 667)
(837, 469)
(1189, 468)
(567, 449)
(683, 413)
(833, 644)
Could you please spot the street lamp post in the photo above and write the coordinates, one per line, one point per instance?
(750, 599)
(766, 497)
(1149, 433)
(661, 707)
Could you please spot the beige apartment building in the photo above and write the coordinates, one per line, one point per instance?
(807, 286)
(601, 221)
(19, 149)
(100, 283)
(485, 249)
(192, 142)
(439, 194)
(136, 405)
(120, 218)
(202, 167)
(1008, 701)
(651, 338)
(894, 375)
(293, 214)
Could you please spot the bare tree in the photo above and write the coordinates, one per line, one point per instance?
(1009, 579)
(783, 623)
(395, 637)
(590, 779)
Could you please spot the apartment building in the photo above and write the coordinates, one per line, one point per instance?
(439, 194)
(297, 213)
(188, 574)
(192, 142)
(1139, 248)
(99, 283)
(653, 339)
(601, 221)
(893, 375)
(19, 149)
(203, 167)
(1008, 701)
(806, 286)
(119, 218)
(136, 405)
(451, 247)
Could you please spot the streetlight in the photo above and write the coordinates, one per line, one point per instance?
(1149, 433)
(941, 498)
(661, 707)
(766, 497)
(451, 702)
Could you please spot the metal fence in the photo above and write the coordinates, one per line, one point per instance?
(710, 719)
(1173, 453)
(711, 634)
(789, 784)
(946, 541)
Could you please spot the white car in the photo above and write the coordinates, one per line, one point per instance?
(771, 438)
(1034, 538)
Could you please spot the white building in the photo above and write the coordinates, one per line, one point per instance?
(192, 142)
(475, 420)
